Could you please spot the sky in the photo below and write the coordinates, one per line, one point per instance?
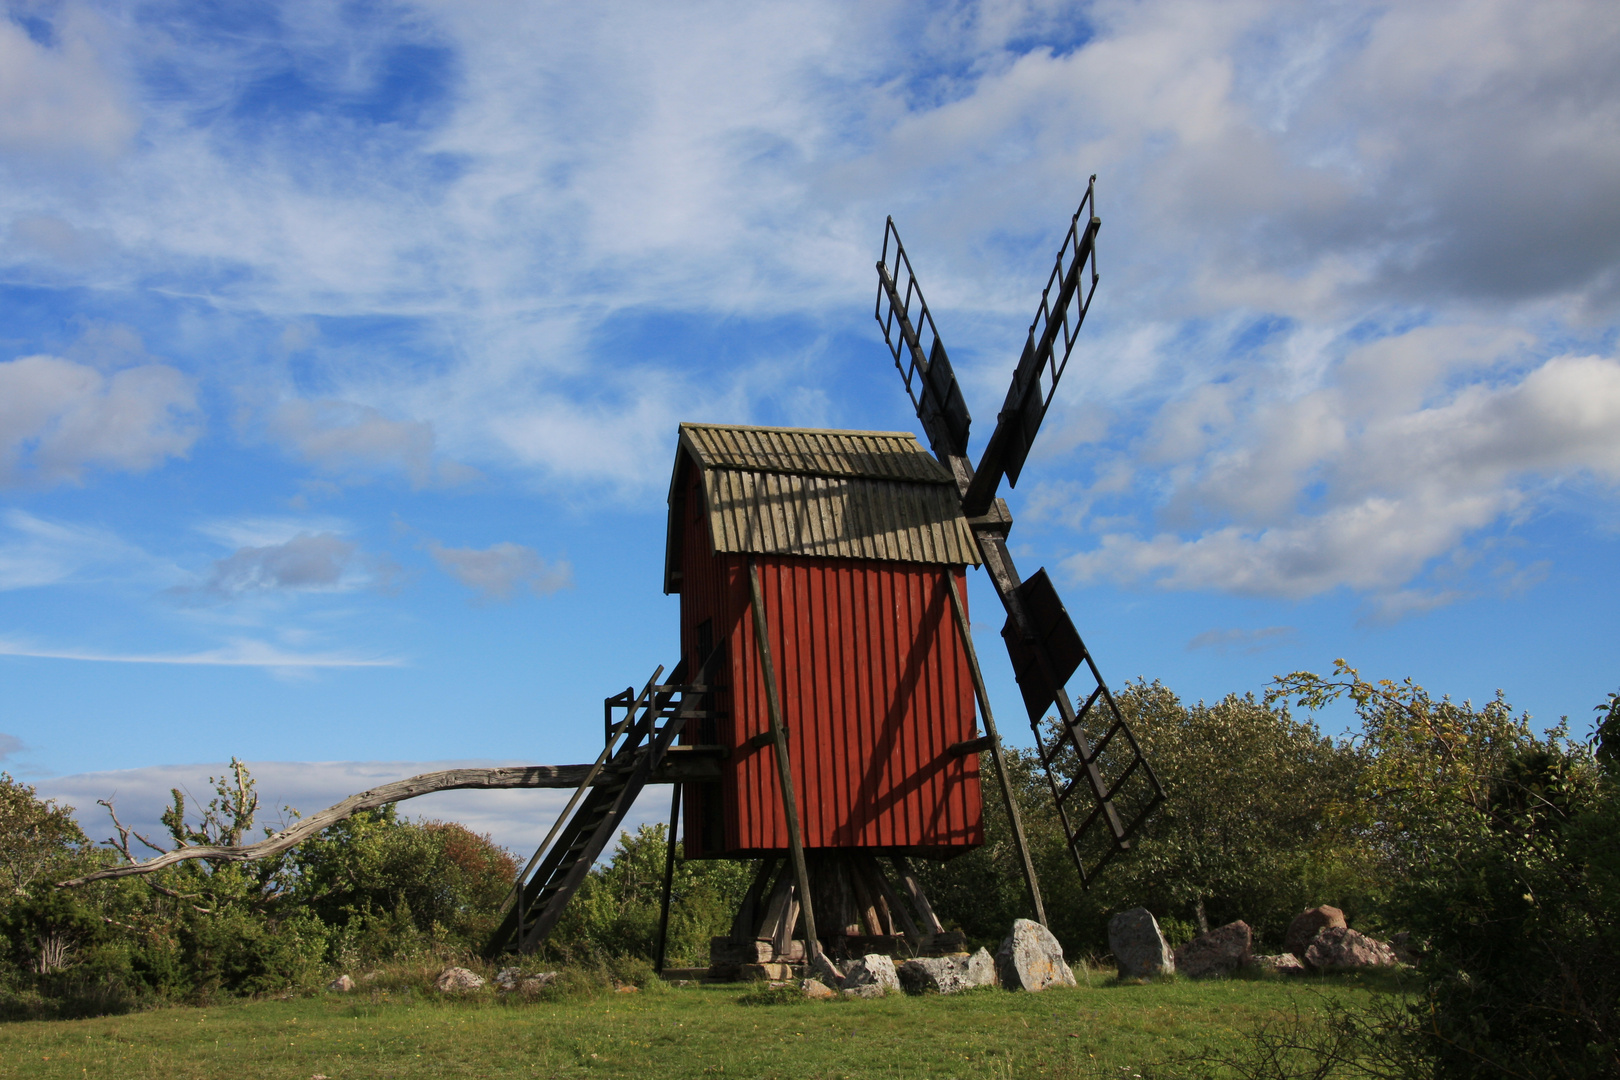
(343, 349)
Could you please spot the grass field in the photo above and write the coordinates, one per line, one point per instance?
(1104, 1030)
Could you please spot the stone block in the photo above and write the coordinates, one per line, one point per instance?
(1307, 924)
(873, 969)
(1138, 945)
(1030, 958)
(1339, 948)
(1218, 953)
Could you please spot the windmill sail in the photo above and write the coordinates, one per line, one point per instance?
(1063, 307)
(1103, 787)
(929, 379)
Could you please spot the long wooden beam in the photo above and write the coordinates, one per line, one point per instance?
(784, 766)
(1031, 884)
(680, 765)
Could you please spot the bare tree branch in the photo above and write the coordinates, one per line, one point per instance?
(527, 776)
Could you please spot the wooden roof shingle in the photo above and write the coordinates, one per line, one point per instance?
(835, 494)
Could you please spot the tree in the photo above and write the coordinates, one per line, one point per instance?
(39, 841)
(38, 837)
(1501, 849)
(615, 913)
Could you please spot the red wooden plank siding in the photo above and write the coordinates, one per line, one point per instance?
(874, 687)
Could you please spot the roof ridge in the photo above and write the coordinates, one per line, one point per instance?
(804, 430)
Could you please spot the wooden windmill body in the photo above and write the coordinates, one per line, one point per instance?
(825, 715)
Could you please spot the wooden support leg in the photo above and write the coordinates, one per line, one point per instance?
(784, 765)
(745, 927)
(919, 900)
(1031, 885)
(908, 925)
(669, 880)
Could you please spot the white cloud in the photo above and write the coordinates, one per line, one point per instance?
(347, 438)
(58, 418)
(60, 99)
(10, 746)
(1391, 463)
(500, 570)
(1280, 184)
(308, 561)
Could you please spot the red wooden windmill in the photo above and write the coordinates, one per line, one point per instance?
(822, 718)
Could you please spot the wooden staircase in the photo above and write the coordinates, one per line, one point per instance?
(636, 746)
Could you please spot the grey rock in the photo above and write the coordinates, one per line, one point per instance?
(1030, 958)
(1218, 953)
(1307, 924)
(342, 984)
(1407, 950)
(820, 967)
(457, 979)
(866, 990)
(980, 969)
(1340, 948)
(933, 975)
(873, 969)
(1138, 945)
(947, 974)
(517, 981)
(1282, 963)
(816, 990)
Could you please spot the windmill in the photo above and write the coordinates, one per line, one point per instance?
(830, 729)
(823, 718)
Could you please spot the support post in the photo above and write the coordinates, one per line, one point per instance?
(1030, 883)
(669, 880)
(784, 765)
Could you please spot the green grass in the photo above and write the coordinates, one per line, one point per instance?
(1104, 1031)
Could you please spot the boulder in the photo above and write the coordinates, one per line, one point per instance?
(866, 990)
(342, 984)
(816, 990)
(1138, 945)
(1340, 948)
(873, 969)
(517, 981)
(457, 979)
(1307, 924)
(822, 968)
(1407, 950)
(1031, 959)
(932, 975)
(1283, 964)
(1218, 953)
(979, 969)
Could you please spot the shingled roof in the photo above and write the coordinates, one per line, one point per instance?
(834, 494)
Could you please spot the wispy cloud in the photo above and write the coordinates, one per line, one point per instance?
(500, 570)
(1247, 641)
(36, 551)
(242, 653)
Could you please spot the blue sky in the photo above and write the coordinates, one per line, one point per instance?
(342, 348)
